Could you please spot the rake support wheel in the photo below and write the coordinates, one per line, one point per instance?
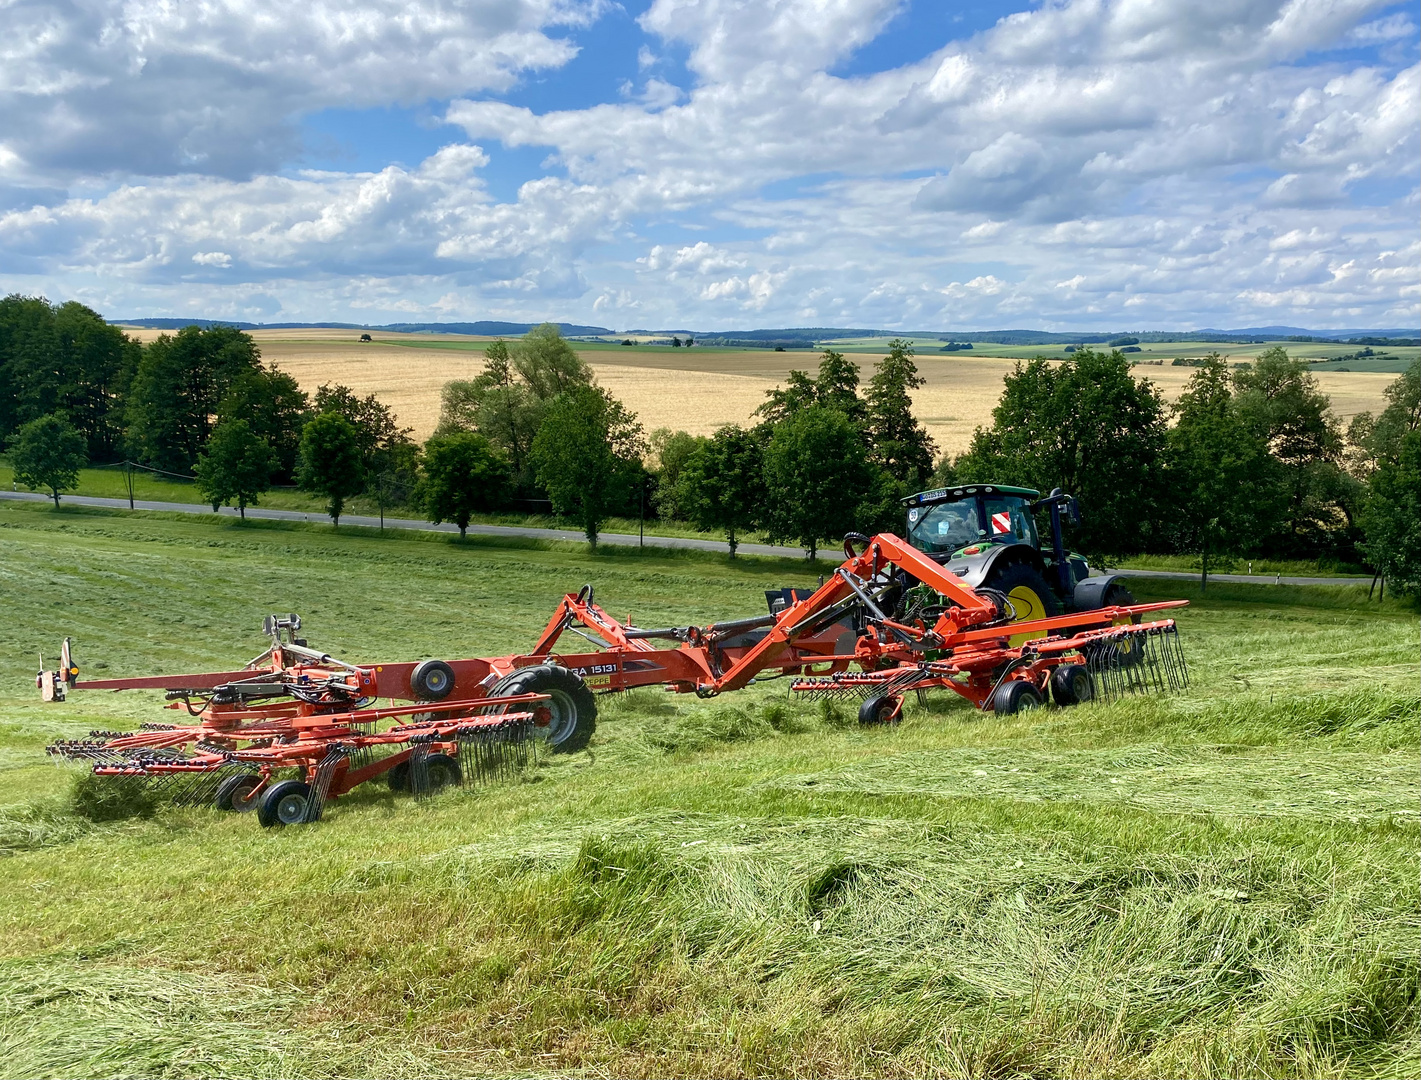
(880, 709)
(285, 803)
(238, 793)
(1014, 697)
(571, 711)
(1071, 684)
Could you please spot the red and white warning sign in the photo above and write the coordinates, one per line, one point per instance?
(1001, 522)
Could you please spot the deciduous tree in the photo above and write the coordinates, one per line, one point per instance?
(1089, 427)
(817, 475)
(1393, 516)
(178, 388)
(1224, 481)
(463, 475)
(329, 461)
(721, 485)
(47, 454)
(277, 410)
(235, 466)
(587, 454)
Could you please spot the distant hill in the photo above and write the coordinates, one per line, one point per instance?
(508, 329)
(804, 337)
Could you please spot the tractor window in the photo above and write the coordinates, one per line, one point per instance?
(945, 527)
(1010, 519)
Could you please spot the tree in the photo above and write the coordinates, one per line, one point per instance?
(386, 450)
(1374, 440)
(235, 467)
(1279, 399)
(1223, 479)
(817, 474)
(547, 363)
(276, 408)
(671, 449)
(463, 474)
(178, 389)
(1085, 425)
(64, 360)
(587, 454)
(721, 485)
(1393, 517)
(48, 453)
(835, 387)
(329, 461)
(901, 446)
(393, 475)
(508, 400)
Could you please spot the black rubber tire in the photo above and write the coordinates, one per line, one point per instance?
(443, 771)
(1071, 685)
(880, 709)
(432, 680)
(398, 776)
(574, 709)
(1017, 575)
(1014, 697)
(237, 787)
(1117, 596)
(279, 805)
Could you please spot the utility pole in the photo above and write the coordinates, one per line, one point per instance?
(128, 480)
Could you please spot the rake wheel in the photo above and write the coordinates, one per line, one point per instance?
(285, 803)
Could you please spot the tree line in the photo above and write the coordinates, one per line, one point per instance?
(1249, 462)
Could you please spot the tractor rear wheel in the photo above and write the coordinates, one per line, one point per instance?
(568, 719)
(1117, 596)
(284, 804)
(1028, 596)
(1014, 697)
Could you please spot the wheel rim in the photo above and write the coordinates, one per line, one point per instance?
(1026, 604)
(1026, 701)
(291, 809)
(244, 798)
(562, 715)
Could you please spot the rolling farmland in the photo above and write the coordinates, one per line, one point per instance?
(699, 389)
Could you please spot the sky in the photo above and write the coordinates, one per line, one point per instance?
(717, 164)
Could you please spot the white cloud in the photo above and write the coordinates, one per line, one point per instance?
(1184, 163)
(154, 87)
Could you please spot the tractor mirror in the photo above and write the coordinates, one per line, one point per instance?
(1073, 508)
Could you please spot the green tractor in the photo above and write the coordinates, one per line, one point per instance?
(986, 535)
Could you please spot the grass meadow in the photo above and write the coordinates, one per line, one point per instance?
(1221, 884)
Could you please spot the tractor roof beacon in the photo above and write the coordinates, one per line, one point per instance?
(986, 535)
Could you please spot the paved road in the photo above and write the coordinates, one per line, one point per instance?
(617, 539)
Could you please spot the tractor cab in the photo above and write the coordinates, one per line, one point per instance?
(986, 534)
(962, 517)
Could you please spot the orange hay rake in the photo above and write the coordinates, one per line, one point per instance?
(297, 727)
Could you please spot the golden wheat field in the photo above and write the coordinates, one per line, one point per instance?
(695, 390)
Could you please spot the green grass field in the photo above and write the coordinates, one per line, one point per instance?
(1222, 884)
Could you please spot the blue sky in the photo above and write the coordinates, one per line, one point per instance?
(718, 163)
